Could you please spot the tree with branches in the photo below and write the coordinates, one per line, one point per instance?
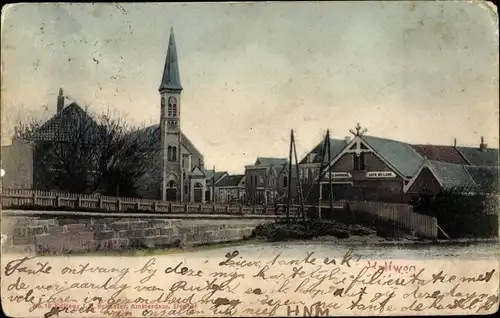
(77, 151)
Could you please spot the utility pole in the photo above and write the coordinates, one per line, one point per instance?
(290, 179)
(330, 194)
(320, 174)
(301, 198)
(213, 185)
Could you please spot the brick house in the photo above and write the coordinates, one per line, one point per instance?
(231, 189)
(379, 169)
(211, 178)
(264, 180)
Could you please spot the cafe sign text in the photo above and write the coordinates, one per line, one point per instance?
(380, 174)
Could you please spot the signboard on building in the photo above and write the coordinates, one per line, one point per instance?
(380, 174)
(339, 175)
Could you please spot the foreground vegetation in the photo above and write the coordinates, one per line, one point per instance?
(282, 230)
(460, 215)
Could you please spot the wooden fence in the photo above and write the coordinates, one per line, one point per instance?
(400, 214)
(12, 198)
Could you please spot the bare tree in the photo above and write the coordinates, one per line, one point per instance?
(77, 151)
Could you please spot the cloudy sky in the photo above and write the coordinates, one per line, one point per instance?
(417, 72)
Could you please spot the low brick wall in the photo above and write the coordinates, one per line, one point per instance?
(87, 234)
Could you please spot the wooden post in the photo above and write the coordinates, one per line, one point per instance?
(200, 208)
(241, 209)
(118, 205)
(34, 198)
(320, 174)
(226, 209)
(138, 205)
(330, 194)
(299, 188)
(78, 202)
(185, 208)
(58, 201)
(100, 203)
(290, 178)
(155, 206)
(213, 208)
(170, 207)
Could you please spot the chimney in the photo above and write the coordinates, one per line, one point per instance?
(60, 101)
(482, 145)
(347, 139)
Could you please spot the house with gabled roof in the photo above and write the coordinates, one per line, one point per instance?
(380, 169)
(264, 182)
(434, 176)
(231, 189)
(36, 150)
(213, 178)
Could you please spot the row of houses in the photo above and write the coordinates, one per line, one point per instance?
(376, 169)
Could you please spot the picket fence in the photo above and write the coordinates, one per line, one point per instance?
(51, 199)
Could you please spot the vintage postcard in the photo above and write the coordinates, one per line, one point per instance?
(249, 159)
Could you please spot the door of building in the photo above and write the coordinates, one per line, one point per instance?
(198, 192)
(171, 191)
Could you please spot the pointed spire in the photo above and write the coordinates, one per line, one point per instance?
(171, 77)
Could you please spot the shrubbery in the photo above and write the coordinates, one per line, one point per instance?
(283, 231)
(459, 215)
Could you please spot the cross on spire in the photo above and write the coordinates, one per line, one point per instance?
(358, 131)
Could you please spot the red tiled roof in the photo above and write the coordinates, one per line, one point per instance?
(448, 154)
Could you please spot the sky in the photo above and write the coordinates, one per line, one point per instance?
(419, 72)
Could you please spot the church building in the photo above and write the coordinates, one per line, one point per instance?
(180, 174)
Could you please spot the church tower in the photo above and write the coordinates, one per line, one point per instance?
(170, 100)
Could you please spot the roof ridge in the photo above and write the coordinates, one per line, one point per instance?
(463, 156)
(470, 176)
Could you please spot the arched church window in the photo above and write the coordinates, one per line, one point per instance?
(174, 153)
(169, 153)
(172, 106)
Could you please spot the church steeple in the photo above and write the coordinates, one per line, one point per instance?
(171, 78)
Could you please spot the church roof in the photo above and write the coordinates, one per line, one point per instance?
(171, 77)
(155, 129)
